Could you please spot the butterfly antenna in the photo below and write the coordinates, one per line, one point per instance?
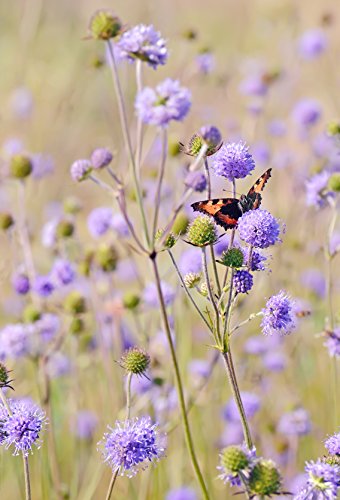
(231, 192)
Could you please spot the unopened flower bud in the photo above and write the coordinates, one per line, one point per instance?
(75, 303)
(6, 221)
(104, 25)
(202, 231)
(135, 360)
(20, 166)
(264, 478)
(232, 257)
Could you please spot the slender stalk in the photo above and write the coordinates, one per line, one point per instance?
(160, 182)
(179, 385)
(127, 138)
(211, 296)
(237, 397)
(128, 395)
(250, 318)
(139, 142)
(207, 173)
(111, 485)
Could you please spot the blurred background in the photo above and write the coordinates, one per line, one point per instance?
(248, 69)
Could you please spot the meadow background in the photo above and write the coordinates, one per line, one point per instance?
(56, 101)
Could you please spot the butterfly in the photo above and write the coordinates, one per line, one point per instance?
(227, 211)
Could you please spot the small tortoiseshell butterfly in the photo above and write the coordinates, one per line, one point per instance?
(227, 211)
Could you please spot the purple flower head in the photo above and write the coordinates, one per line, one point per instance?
(232, 434)
(261, 153)
(22, 429)
(151, 298)
(183, 493)
(277, 128)
(190, 261)
(334, 244)
(333, 343)
(253, 85)
(274, 361)
(15, 341)
(205, 62)
(47, 326)
(323, 481)
(306, 113)
(317, 191)
(43, 285)
(233, 161)
(255, 345)
(259, 228)
(232, 477)
(63, 272)
(196, 181)
(22, 102)
(242, 281)
(199, 368)
(257, 260)
(21, 283)
(144, 43)
(295, 423)
(314, 280)
(49, 233)
(131, 445)
(99, 221)
(42, 165)
(12, 146)
(312, 44)
(251, 403)
(119, 225)
(278, 315)
(58, 365)
(211, 135)
(169, 101)
(80, 169)
(101, 157)
(332, 444)
(85, 424)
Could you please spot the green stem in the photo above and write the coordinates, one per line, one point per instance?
(111, 485)
(179, 385)
(211, 297)
(128, 395)
(160, 182)
(127, 138)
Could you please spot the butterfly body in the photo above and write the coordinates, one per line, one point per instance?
(227, 211)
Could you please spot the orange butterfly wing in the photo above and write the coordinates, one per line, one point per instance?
(226, 211)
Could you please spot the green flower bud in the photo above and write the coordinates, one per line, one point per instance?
(6, 221)
(20, 166)
(77, 325)
(135, 360)
(190, 34)
(131, 300)
(192, 279)
(234, 459)
(72, 205)
(333, 128)
(4, 378)
(334, 182)
(106, 257)
(202, 231)
(97, 62)
(170, 240)
(174, 148)
(84, 266)
(65, 229)
(195, 144)
(31, 314)
(180, 225)
(104, 25)
(204, 289)
(75, 303)
(264, 478)
(232, 257)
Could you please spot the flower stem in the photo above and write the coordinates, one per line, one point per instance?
(179, 385)
(127, 138)
(111, 485)
(160, 182)
(128, 395)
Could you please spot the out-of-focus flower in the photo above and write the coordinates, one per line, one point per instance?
(278, 315)
(233, 161)
(255, 345)
(317, 191)
(323, 481)
(314, 280)
(58, 365)
(84, 424)
(208, 135)
(42, 165)
(254, 85)
(99, 222)
(47, 326)
(232, 434)
(190, 261)
(21, 102)
(183, 493)
(43, 285)
(205, 62)
(63, 272)
(15, 341)
(261, 153)
(100, 158)
(274, 361)
(168, 101)
(80, 170)
(306, 113)
(259, 228)
(200, 368)
(312, 44)
(332, 444)
(118, 224)
(277, 128)
(196, 181)
(295, 423)
(150, 295)
(22, 429)
(333, 343)
(242, 281)
(21, 283)
(251, 403)
(132, 445)
(142, 42)
(49, 233)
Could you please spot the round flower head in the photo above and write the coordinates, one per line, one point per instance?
(118, 224)
(99, 221)
(184, 493)
(104, 25)
(202, 231)
(233, 161)
(132, 445)
(251, 403)
(191, 261)
(317, 192)
(257, 260)
(42, 165)
(306, 112)
(84, 424)
(150, 295)
(80, 170)
(259, 228)
(312, 44)
(63, 272)
(242, 281)
(323, 481)
(264, 479)
(232, 257)
(15, 341)
(254, 85)
(144, 43)
(234, 460)
(208, 135)
(332, 444)
(196, 181)
(43, 286)
(333, 343)
(274, 361)
(21, 283)
(295, 423)
(135, 360)
(205, 62)
(168, 101)
(100, 158)
(278, 315)
(22, 429)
